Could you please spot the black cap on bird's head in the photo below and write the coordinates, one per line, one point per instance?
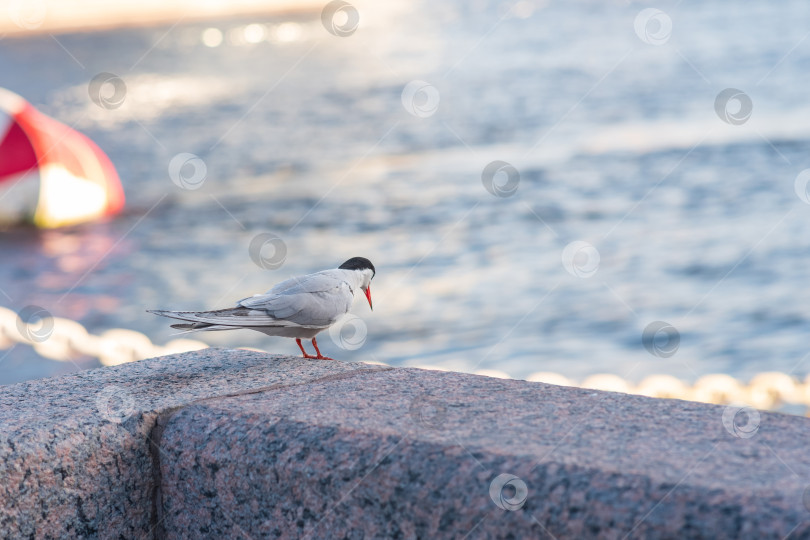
(361, 263)
(358, 263)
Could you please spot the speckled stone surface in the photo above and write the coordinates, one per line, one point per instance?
(75, 453)
(413, 454)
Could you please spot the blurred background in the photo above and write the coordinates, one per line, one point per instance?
(646, 210)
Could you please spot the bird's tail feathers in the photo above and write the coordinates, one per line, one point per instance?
(190, 328)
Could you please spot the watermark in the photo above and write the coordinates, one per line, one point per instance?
(500, 178)
(580, 259)
(349, 333)
(741, 421)
(115, 403)
(107, 90)
(733, 106)
(268, 251)
(661, 339)
(420, 99)
(428, 412)
(508, 492)
(27, 14)
(35, 323)
(187, 171)
(653, 26)
(340, 18)
(800, 186)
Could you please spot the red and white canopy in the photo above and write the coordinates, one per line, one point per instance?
(50, 174)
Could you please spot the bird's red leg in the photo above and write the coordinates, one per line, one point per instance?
(300, 346)
(317, 350)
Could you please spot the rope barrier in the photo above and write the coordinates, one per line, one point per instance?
(65, 340)
(769, 390)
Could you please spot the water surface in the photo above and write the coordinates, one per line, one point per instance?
(304, 135)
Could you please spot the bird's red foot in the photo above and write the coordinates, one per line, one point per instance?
(298, 341)
(317, 350)
(315, 344)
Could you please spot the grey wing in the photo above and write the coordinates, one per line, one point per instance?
(320, 281)
(314, 300)
(289, 284)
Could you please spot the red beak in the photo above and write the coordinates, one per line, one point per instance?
(368, 295)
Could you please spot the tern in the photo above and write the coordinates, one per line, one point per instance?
(298, 307)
